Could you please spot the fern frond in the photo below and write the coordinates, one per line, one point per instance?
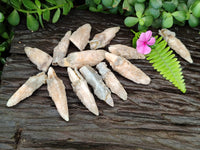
(165, 62)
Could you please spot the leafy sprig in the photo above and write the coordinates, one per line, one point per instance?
(38, 11)
(164, 62)
(155, 13)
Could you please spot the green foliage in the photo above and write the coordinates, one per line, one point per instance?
(165, 62)
(155, 13)
(136, 37)
(14, 18)
(56, 16)
(32, 23)
(37, 11)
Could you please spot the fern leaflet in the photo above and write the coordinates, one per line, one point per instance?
(164, 62)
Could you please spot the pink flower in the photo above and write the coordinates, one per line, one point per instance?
(144, 41)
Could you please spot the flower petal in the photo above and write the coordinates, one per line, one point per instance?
(140, 49)
(147, 50)
(143, 49)
(139, 42)
(142, 37)
(151, 41)
(148, 35)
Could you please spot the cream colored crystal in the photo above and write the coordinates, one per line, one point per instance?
(176, 44)
(61, 49)
(27, 89)
(41, 59)
(95, 80)
(79, 59)
(81, 36)
(102, 39)
(125, 51)
(81, 89)
(126, 69)
(111, 81)
(57, 92)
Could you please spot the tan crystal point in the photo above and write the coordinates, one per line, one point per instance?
(61, 49)
(81, 36)
(27, 89)
(176, 44)
(125, 51)
(95, 80)
(41, 59)
(111, 81)
(126, 69)
(102, 39)
(57, 92)
(79, 59)
(81, 89)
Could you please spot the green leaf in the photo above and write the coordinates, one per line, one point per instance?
(3, 46)
(132, 2)
(196, 9)
(115, 3)
(1, 17)
(126, 6)
(40, 20)
(107, 3)
(141, 22)
(15, 3)
(130, 21)
(167, 21)
(141, 1)
(147, 20)
(32, 23)
(2, 60)
(169, 6)
(29, 4)
(97, 2)
(113, 10)
(193, 21)
(52, 2)
(71, 4)
(100, 7)
(38, 3)
(154, 12)
(66, 9)
(142, 27)
(56, 16)
(136, 37)
(46, 15)
(139, 14)
(179, 15)
(60, 2)
(14, 18)
(156, 3)
(5, 35)
(139, 7)
(93, 9)
(166, 64)
(157, 23)
(182, 7)
(190, 2)
(90, 3)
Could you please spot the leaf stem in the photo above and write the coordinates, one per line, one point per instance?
(36, 11)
